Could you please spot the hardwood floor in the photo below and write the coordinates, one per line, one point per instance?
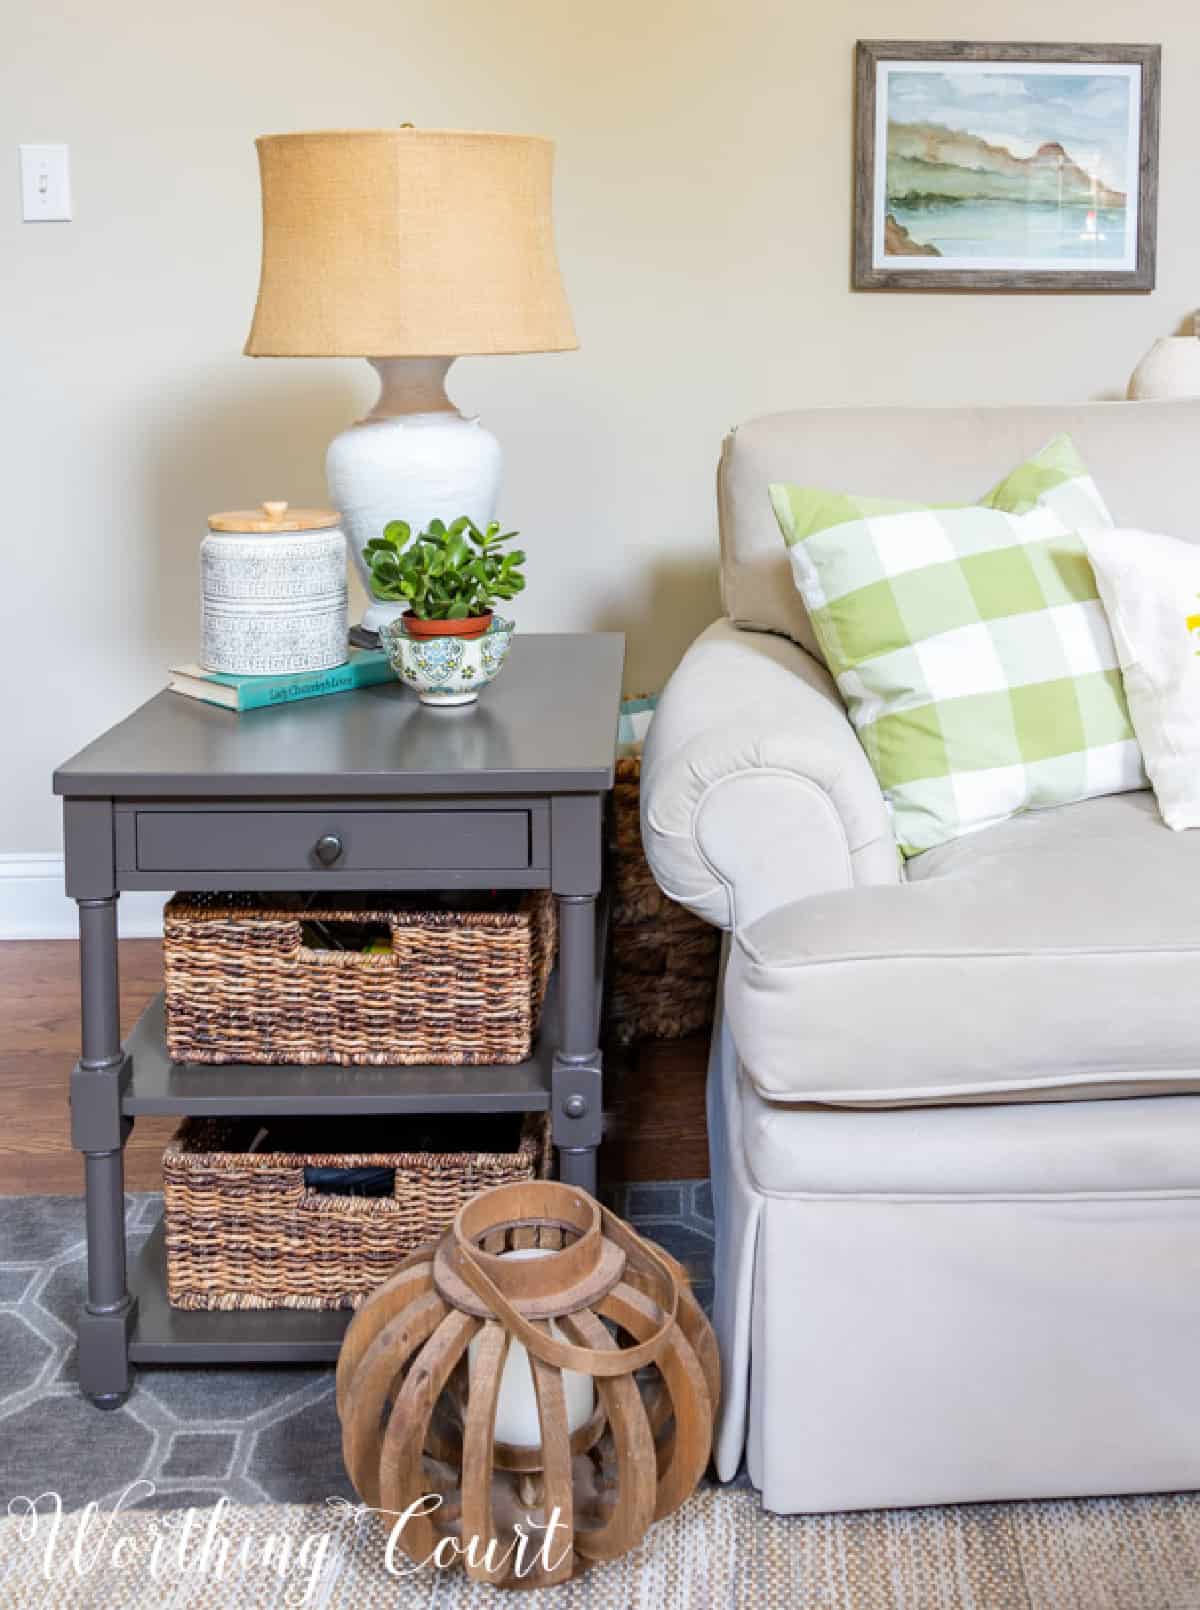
(656, 1093)
(39, 1041)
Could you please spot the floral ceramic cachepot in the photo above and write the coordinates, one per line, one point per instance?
(446, 670)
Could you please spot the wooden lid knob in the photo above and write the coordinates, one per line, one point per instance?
(274, 511)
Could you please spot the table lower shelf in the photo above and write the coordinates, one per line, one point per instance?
(166, 1335)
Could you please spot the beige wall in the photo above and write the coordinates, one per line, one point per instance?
(703, 216)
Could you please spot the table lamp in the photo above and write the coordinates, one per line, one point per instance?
(408, 247)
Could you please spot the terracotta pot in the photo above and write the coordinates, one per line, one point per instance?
(473, 626)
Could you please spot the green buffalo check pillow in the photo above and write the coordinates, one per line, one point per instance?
(970, 645)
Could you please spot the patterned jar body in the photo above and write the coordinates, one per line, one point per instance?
(273, 600)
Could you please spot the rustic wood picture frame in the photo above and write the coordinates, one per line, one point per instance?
(868, 276)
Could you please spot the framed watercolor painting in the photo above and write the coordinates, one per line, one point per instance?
(1006, 167)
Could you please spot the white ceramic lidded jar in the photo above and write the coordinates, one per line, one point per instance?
(273, 591)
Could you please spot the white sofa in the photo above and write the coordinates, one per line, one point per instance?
(951, 1264)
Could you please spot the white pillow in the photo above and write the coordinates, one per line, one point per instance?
(1150, 588)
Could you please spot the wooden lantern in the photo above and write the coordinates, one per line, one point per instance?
(418, 1402)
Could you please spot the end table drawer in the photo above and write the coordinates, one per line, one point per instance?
(338, 840)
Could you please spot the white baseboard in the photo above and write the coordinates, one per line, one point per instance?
(33, 905)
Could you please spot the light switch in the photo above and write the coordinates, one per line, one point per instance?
(45, 184)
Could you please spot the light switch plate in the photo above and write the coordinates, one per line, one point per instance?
(45, 184)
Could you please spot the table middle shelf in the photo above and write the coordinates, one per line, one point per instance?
(156, 1085)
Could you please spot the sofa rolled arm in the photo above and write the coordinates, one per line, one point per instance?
(755, 790)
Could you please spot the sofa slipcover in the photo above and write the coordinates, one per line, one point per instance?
(980, 1289)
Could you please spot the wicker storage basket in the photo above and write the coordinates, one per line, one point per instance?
(241, 984)
(664, 959)
(270, 1228)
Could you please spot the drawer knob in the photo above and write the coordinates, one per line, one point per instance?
(328, 848)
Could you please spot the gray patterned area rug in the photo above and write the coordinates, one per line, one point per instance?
(251, 1509)
(248, 1435)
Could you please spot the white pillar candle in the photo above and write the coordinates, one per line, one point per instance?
(517, 1420)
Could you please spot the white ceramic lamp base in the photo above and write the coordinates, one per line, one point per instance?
(414, 458)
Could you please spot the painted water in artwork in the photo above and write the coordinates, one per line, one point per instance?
(994, 166)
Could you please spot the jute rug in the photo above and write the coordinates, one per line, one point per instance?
(720, 1552)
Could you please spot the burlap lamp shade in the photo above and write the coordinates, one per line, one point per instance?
(407, 243)
(408, 247)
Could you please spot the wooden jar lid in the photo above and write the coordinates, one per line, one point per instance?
(274, 517)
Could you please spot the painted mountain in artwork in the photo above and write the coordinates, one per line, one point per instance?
(927, 162)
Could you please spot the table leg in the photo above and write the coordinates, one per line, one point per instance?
(578, 1066)
(99, 1131)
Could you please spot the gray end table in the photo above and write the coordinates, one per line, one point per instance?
(363, 790)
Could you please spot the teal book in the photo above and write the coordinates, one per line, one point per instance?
(363, 668)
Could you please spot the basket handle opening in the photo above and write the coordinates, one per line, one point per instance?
(371, 1180)
(370, 935)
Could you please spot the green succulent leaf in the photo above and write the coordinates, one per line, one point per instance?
(444, 572)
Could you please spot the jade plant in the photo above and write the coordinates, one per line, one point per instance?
(446, 572)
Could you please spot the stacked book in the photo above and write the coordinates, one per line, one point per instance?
(363, 668)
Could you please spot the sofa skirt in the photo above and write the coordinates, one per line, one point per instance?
(1003, 1305)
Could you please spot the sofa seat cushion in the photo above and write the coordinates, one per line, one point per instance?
(1054, 956)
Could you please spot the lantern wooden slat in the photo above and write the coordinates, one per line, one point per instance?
(373, 1385)
(487, 1368)
(683, 1456)
(558, 1491)
(412, 1279)
(636, 1463)
(622, 1312)
(401, 1463)
(692, 1321)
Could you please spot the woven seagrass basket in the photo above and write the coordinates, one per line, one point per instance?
(275, 1227)
(664, 959)
(456, 986)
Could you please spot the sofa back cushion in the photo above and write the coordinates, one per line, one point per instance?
(1142, 455)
